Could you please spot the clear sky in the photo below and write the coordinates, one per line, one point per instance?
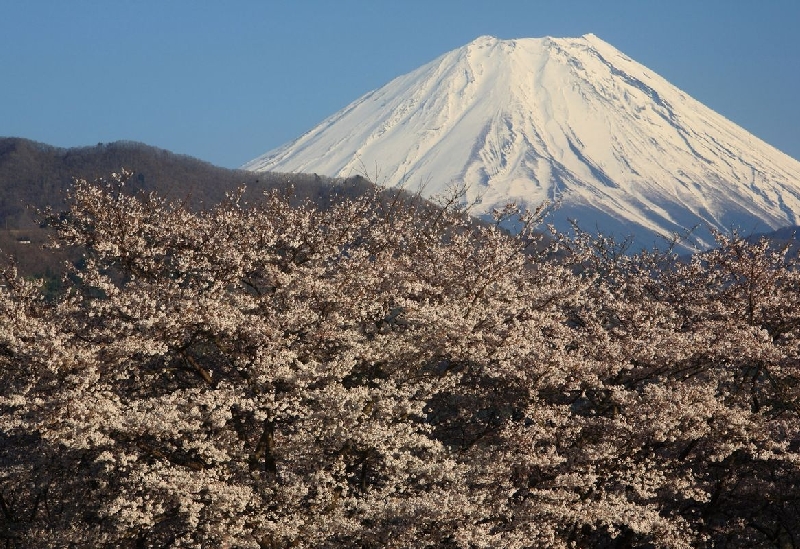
(228, 81)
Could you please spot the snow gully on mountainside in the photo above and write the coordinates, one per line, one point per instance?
(623, 150)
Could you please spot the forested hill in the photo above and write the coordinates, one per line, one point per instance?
(35, 175)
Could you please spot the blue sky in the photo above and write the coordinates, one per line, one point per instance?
(228, 81)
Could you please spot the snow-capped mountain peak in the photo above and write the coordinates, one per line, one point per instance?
(572, 119)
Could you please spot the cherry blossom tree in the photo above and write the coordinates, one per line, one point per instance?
(703, 384)
(384, 373)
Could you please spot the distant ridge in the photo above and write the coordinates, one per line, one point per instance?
(35, 175)
(570, 119)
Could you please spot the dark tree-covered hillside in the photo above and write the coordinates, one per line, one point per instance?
(34, 176)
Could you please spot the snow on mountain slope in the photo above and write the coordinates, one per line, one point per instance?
(571, 119)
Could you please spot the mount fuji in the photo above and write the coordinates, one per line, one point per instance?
(570, 120)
